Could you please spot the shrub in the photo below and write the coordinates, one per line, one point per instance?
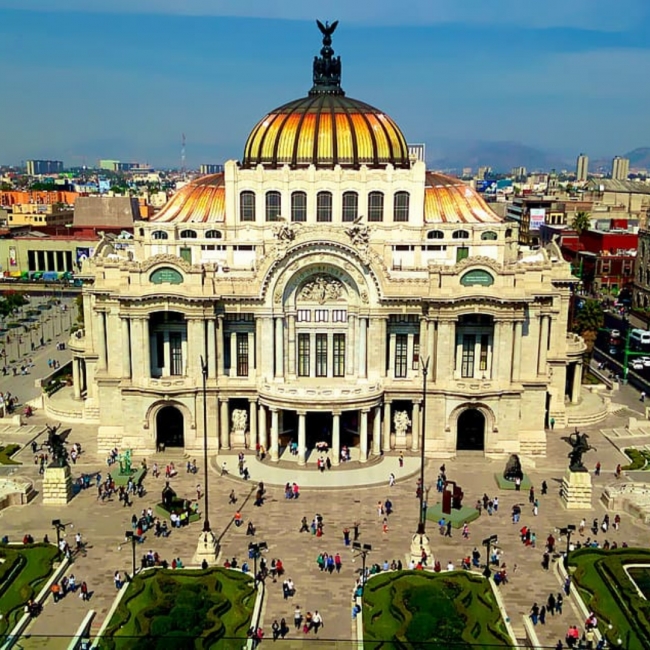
(637, 458)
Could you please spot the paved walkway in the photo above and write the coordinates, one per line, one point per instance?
(278, 523)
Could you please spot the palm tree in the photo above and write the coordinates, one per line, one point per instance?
(588, 320)
(581, 222)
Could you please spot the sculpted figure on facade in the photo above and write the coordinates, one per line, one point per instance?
(402, 422)
(239, 420)
(321, 289)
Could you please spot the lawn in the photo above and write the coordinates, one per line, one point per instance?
(608, 591)
(413, 609)
(166, 609)
(24, 570)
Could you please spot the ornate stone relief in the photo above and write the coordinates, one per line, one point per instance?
(321, 289)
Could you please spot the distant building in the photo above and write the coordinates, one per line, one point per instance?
(518, 172)
(582, 167)
(483, 172)
(41, 167)
(106, 212)
(110, 165)
(620, 168)
(206, 169)
(118, 166)
(34, 214)
(628, 197)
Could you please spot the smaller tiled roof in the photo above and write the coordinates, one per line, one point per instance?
(449, 200)
(623, 187)
(201, 201)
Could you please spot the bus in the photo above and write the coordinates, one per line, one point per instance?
(639, 338)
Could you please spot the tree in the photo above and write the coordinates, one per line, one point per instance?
(11, 300)
(588, 320)
(581, 222)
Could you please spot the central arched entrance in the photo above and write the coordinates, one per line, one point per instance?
(169, 427)
(470, 434)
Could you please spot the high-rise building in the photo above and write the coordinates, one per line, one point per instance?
(210, 169)
(620, 168)
(110, 165)
(582, 167)
(40, 167)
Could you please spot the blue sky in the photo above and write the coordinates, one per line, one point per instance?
(125, 78)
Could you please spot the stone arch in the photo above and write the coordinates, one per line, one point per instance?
(489, 422)
(157, 408)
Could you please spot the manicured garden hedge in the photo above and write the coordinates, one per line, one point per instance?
(608, 591)
(456, 609)
(23, 574)
(171, 609)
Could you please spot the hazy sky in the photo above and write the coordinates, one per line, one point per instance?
(125, 78)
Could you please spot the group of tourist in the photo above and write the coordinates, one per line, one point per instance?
(60, 589)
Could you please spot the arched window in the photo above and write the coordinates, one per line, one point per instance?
(324, 206)
(376, 206)
(188, 234)
(273, 205)
(159, 234)
(299, 206)
(488, 235)
(141, 231)
(213, 234)
(350, 206)
(435, 234)
(508, 233)
(247, 206)
(460, 234)
(401, 206)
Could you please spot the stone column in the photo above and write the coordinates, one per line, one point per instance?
(336, 438)
(447, 350)
(415, 426)
(252, 361)
(195, 346)
(266, 357)
(382, 343)
(146, 347)
(376, 431)
(577, 382)
(76, 378)
(126, 348)
(363, 436)
(233, 354)
(392, 342)
(432, 334)
(505, 352)
(291, 352)
(498, 357)
(212, 352)
(350, 365)
(220, 341)
(224, 421)
(302, 438)
(424, 344)
(101, 341)
(516, 350)
(543, 345)
(363, 347)
(263, 430)
(279, 347)
(252, 423)
(386, 425)
(275, 434)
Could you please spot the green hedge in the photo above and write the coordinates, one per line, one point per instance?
(607, 590)
(408, 608)
(7, 452)
(638, 457)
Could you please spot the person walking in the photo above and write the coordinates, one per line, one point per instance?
(448, 529)
(84, 590)
(559, 602)
(391, 479)
(117, 578)
(534, 613)
(550, 604)
(317, 621)
(597, 470)
(542, 615)
(297, 617)
(401, 459)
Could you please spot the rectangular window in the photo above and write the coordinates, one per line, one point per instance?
(462, 253)
(350, 206)
(242, 354)
(299, 206)
(304, 316)
(483, 362)
(401, 355)
(186, 254)
(416, 352)
(339, 355)
(247, 206)
(375, 206)
(321, 355)
(322, 315)
(176, 353)
(339, 315)
(467, 362)
(303, 355)
(324, 206)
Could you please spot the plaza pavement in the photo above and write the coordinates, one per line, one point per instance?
(278, 521)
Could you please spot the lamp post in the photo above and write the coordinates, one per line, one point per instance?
(488, 542)
(570, 528)
(59, 527)
(362, 550)
(254, 551)
(204, 373)
(129, 534)
(425, 371)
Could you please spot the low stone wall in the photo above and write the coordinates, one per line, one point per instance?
(633, 498)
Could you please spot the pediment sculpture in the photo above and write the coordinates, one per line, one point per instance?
(321, 289)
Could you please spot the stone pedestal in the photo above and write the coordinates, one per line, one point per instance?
(400, 441)
(576, 490)
(238, 439)
(419, 542)
(207, 549)
(57, 486)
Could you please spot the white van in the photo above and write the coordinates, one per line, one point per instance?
(639, 338)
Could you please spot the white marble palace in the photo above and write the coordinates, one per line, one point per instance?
(310, 284)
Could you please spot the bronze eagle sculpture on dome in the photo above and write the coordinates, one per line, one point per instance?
(327, 30)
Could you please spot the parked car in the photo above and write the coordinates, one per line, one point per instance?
(636, 364)
(615, 334)
(645, 361)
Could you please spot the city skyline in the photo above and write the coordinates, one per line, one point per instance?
(82, 85)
